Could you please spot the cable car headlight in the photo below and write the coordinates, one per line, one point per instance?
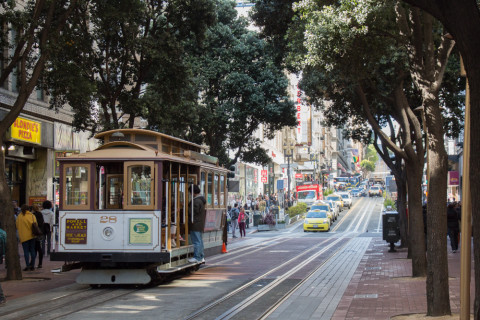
(107, 233)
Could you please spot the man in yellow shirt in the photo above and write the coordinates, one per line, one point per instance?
(24, 223)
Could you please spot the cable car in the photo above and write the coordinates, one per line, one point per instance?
(124, 207)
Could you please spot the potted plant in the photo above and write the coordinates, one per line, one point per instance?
(267, 223)
(281, 224)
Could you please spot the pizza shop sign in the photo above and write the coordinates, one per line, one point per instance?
(26, 130)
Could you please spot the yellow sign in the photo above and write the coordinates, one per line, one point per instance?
(140, 231)
(26, 130)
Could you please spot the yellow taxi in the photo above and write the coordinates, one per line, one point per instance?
(337, 198)
(316, 220)
(322, 206)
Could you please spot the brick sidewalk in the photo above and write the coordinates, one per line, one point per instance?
(382, 286)
(36, 281)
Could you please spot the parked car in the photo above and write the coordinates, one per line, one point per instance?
(347, 199)
(324, 207)
(375, 191)
(316, 221)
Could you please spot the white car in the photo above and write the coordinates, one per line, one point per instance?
(347, 199)
(334, 206)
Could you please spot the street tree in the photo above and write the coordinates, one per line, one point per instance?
(239, 88)
(367, 165)
(347, 41)
(462, 20)
(115, 49)
(29, 33)
(355, 60)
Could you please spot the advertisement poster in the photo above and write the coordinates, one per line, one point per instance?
(453, 178)
(213, 220)
(140, 231)
(76, 231)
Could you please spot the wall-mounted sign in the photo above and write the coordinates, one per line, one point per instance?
(76, 231)
(140, 231)
(38, 200)
(453, 178)
(26, 130)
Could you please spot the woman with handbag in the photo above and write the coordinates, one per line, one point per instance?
(25, 227)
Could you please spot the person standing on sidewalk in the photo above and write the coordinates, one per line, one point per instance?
(48, 222)
(39, 239)
(234, 216)
(197, 225)
(24, 224)
(241, 222)
(453, 226)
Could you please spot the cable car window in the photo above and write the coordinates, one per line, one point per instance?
(209, 189)
(222, 190)
(140, 178)
(202, 184)
(77, 186)
(215, 190)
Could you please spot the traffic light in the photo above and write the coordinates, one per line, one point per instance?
(231, 171)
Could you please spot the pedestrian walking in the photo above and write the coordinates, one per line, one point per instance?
(453, 226)
(24, 224)
(38, 239)
(234, 216)
(197, 226)
(241, 222)
(48, 222)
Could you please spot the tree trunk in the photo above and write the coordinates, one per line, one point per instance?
(474, 82)
(402, 210)
(415, 218)
(438, 300)
(12, 260)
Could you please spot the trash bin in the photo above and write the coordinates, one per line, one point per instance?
(247, 221)
(256, 219)
(391, 229)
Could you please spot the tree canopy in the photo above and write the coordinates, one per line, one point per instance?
(239, 88)
(113, 49)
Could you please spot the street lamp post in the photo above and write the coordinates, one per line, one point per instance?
(288, 153)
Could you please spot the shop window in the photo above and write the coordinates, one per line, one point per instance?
(77, 186)
(140, 185)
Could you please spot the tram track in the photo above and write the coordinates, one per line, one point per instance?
(66, 304)
(268, 287)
